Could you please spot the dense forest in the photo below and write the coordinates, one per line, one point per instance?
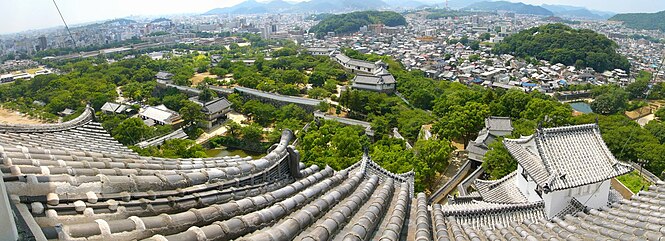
(351, 22)
(651, 21)
(558, 43)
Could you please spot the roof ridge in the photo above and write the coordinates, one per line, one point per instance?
(550, 169)
(493, 183)
(491, 208)
(567, 128)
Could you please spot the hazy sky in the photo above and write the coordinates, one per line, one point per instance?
(20, 15)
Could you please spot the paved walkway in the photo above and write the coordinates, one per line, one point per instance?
(217, 131)
(221, 129)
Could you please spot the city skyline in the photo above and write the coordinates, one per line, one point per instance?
(20, 15)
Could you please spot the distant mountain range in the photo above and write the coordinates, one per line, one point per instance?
(121, 21)
(649, 21)
(577, 12)
(313, 6)
(519, 8)
(332, 6)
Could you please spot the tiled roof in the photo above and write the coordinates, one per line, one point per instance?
(217, 105)
(566, 157)
(88, 195)
(499, 123)
(503, 190)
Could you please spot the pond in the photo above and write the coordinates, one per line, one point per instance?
(581, 107)
(223, 151)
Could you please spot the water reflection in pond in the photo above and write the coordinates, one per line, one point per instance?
(581, 107)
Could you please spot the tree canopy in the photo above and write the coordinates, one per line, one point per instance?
(351, 22)
(559, 43)
(650, 21)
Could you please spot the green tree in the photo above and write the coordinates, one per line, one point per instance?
(511, 104)
(318, 93)
(657, 129)
(292, 111)
(182, 148)
(474, 58)
(551, 113)
(323, 106)
(262, 113)
(475, 45)
(652, 153)
(611, 102)
(191, 114)
(234, 129)
(318, 78)
(143, 75)
(293, 77)
(131, 131)
(660, 113)
(463, 122)
(174, 102)
(435, 153)
(381, 126)
(206, 94)
(498, 162)
(637, 89)
(252, 133)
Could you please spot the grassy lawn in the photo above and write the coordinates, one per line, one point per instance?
(634, 181)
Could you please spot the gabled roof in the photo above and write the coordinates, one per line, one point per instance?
(503, 190)
(494, 128)
(163, 75)
(113, 107)
(159, 113)
(495, 123)
(566, 157)
(342, 58)
(217, 105)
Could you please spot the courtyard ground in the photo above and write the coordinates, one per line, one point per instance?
(13, 117)
(198, 77)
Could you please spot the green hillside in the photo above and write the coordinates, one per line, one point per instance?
(351, 22)
(649, 21)
(558, 43)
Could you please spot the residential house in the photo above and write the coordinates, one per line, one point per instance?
(114, 108)
(159, 115)
(495, 127)
(214, 110)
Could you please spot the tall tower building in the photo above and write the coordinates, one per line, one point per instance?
(42, 43)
